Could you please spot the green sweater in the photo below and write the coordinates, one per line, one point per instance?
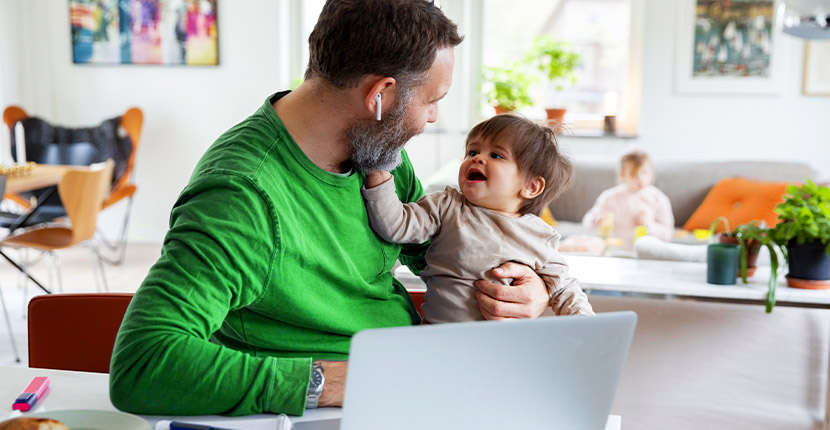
(269, 263)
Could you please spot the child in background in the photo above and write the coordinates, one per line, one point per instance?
(512, 170)
(634, 202)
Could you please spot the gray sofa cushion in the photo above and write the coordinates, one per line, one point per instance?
(685, 183)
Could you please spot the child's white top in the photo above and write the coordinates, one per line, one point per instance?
(626, 205)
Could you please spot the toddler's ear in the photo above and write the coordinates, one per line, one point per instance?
(533, 188)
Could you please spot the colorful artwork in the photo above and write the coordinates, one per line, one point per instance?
(733, 38)
(144, 32)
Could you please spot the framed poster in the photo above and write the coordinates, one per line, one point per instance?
(171, 32)
(727, 47)
(816, 68)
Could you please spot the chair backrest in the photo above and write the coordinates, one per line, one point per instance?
(12, 114)
(75, 331)
(131, 121)
(82, 192)
(417, 300)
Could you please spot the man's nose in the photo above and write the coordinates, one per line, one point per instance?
(432, 114)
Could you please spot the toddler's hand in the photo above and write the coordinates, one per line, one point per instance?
(644, 217)
(373, 179)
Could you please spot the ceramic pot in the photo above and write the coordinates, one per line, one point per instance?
(501, 109)
(753, 248)
(808, 262)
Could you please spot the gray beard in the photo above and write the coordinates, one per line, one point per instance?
(376, 145)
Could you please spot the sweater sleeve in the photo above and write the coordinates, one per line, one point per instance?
(662, 226)
(217, 258)
(566, 295)
(594, 215)
(403, 223)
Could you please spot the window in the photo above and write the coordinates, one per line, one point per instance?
(598, 30)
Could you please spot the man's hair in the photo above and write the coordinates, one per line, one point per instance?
(397, 38)
(635, 158)
(536, 152)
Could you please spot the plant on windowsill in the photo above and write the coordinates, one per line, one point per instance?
(508, 87)
(750, 237)
(804, 235)
(557, 61)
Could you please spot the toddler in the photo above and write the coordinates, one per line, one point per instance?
(634, 202)
(511, 171)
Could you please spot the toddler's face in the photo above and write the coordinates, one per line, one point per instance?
(637, 179)
(489, 176)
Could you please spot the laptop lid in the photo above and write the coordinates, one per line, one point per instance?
(552, 372)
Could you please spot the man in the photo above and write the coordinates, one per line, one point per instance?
(270, 254)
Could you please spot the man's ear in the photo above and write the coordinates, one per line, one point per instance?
(379, 86)
(533, 188)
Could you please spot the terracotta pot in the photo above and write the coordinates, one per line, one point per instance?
(557, 115)
(752, 253)
(501, 109)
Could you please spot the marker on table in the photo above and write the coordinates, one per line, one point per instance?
(31, 394)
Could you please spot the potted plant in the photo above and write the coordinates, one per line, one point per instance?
(508, 87)
(804, 233)
(750, 238)
(557, 61)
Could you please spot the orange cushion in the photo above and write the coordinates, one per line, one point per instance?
(740, 201)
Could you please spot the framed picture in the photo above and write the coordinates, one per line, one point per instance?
(816, 68)
(727, 47)
(172, 32)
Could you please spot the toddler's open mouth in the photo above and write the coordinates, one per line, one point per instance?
(475, 175)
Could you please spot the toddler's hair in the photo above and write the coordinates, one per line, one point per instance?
(635, 158)
(536, 152)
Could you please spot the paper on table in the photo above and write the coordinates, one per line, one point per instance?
(280, 422)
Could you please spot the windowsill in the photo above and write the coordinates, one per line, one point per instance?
(593, 134)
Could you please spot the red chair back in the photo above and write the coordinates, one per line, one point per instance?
(418, 300)
(75, 331)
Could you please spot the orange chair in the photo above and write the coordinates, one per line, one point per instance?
(75, 331)
(125, 188)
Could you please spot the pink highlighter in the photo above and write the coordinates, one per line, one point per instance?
(32, 394)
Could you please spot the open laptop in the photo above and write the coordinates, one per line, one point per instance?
(547, 373)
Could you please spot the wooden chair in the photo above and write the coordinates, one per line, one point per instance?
(75, 331)
(82, 192)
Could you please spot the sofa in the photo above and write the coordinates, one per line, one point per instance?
(685, 183)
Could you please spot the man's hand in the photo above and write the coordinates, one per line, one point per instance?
(335, 374)
(373, 179)
(526, 297)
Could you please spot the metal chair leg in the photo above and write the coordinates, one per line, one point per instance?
(58, 270)
(9, 326)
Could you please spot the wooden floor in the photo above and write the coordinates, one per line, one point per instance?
(77, 277)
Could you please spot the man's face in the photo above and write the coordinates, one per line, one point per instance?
(376, 145)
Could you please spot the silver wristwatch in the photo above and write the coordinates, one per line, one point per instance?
(315, 386)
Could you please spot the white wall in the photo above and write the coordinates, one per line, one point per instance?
(186, 108)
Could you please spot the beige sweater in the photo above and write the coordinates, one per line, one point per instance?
(467, 243)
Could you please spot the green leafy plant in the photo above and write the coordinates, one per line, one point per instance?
(746, 234)
(508, 86)
(805, 216)
(556, 59)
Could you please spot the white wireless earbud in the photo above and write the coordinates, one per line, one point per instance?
(377, 112)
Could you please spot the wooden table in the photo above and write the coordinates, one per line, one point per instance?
(42, 175)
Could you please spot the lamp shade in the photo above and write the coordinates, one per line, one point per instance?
(807, 19)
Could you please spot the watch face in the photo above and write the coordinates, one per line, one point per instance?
(316, 378)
